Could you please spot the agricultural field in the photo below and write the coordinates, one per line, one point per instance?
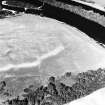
(31, 52)
(46, 61)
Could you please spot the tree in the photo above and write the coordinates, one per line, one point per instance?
(51, 79)
(2, 86)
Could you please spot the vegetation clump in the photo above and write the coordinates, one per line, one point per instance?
(58, 93)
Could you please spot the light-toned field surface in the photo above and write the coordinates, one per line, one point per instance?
(99, 4)
(32, 48)
(30, 41)
(96, 98)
